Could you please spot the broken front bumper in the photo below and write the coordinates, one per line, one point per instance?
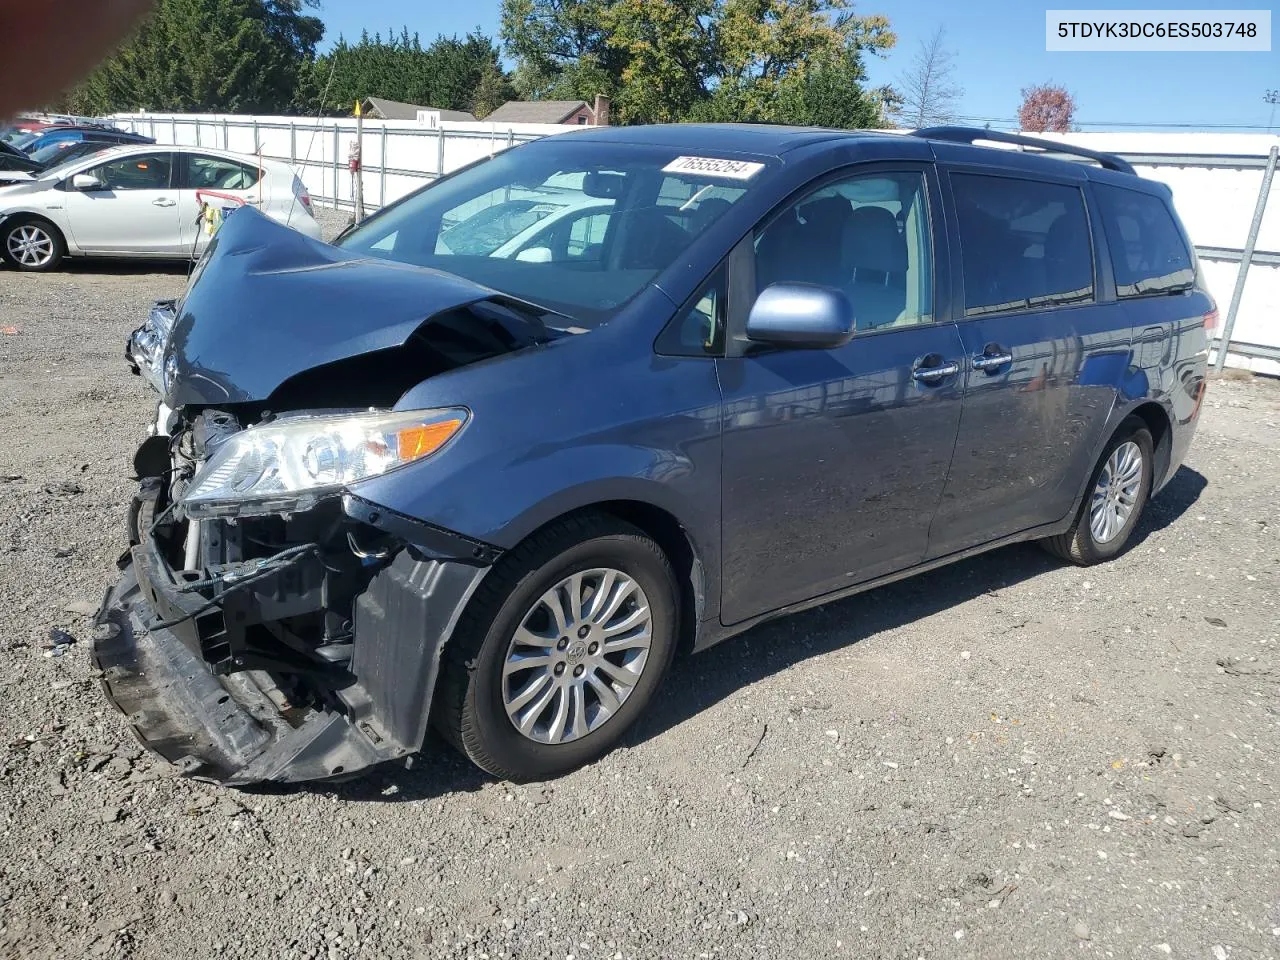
(238, 727)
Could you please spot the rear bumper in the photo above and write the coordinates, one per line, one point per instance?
(239, 727)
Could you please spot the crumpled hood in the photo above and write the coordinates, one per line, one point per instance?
(268, 303)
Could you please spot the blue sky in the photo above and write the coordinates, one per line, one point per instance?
(999, 47)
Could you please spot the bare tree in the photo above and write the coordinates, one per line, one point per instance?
(928, 90)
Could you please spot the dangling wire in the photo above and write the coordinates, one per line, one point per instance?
(324, 98)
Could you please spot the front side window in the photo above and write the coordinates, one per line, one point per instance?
(577, 227)
(866, 235)
(1147, 250)
(1023, 244)
(697, 330)
(215, 173)
(148, 172)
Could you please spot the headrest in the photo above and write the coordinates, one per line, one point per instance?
(871, 242)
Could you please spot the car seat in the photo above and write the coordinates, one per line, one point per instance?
(874, 257)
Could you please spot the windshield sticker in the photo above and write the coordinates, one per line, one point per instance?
(714, 167)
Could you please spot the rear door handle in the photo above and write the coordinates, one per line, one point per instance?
(991, 361)
(934, 374)
(165, 202)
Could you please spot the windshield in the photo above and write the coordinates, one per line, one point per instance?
(65, 158)
(19, 140)
(575, 226)
(51, 152)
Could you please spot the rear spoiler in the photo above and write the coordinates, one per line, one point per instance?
(971, 134)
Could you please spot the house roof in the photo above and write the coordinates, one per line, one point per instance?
(395, 110)
(535, 111)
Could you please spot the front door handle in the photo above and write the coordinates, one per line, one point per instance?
(934, 374)
(991, 361)
(165, 202)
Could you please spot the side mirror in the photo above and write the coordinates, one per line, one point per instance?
(801, 315)
(86, 181)
(534, 255)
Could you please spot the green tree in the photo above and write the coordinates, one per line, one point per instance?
(665, 60)
(206, 56)
(492, 91)
(447, 75)
(561, 48)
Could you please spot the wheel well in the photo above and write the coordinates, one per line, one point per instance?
(24, 216)
(666, 531)
(1157, 421)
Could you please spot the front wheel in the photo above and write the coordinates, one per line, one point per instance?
(1118, 492)
(560, 650)
(32, 244)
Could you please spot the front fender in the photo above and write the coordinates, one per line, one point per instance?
(503, 501)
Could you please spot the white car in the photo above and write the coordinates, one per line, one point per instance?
(139, 201)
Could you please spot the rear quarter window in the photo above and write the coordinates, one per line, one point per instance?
(1148, 253)
(1024, 244)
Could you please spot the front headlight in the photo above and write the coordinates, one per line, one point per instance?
(289, 464)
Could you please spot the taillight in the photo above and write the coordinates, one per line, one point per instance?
(306, 202)
(1211, 321)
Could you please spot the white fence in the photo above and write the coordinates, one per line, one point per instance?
(397, 156)
(1215, 180)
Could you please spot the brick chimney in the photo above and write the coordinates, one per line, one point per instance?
(602, 110)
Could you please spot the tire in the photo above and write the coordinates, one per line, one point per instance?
(18, 235)
(1081, 544)
(473, 694)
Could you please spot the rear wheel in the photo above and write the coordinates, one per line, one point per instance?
(561, 649)
(1118, 492)
(32, 244)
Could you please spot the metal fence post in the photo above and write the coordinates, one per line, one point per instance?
(439, 154)
(293, 142)
(198, 143)
(257, 143)
(226, 135)
(174, 122)
(1245, 258)
(511, 138)
(382, 170)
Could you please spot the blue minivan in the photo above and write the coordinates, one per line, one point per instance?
(489, 461)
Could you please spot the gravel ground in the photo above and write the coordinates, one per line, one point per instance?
(1006, 758)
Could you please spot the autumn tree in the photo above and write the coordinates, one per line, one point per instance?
(929, 92)
(1046, 107)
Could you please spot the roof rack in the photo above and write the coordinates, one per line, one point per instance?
(969, 134)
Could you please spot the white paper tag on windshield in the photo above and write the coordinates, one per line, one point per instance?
(714, 167)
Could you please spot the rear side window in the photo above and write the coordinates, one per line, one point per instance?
(1023, 244)
(1148, 253)
(216, 173)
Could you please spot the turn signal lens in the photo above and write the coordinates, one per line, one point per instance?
(422, 440)
(1211, 321)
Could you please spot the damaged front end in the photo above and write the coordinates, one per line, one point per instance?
(278, 647)
(269, 623)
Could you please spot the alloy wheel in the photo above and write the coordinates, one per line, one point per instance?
(1116, 493)
(577, 656)
(30, 245)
